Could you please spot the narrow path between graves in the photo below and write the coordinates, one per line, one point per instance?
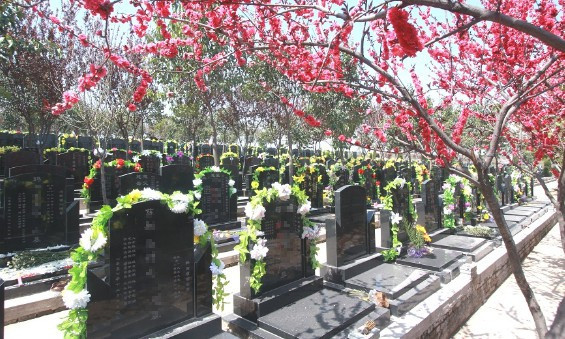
(505, 314)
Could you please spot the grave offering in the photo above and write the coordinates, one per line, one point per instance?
(129, 182)
(38, 212)
(218, 200)
(177, 178)
(279, 293)
(154, 280)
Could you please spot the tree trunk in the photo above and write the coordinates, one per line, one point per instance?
(559, 206)
(513, 255)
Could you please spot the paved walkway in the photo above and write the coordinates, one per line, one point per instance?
(505, 314)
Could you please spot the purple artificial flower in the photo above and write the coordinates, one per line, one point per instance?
(451, 207)
(180, 154)
(169, 159)
(412, 252)
(467, 204)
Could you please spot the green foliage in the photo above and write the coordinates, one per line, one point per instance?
(390, 254)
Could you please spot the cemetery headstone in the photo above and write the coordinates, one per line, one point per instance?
(232, 164)
(19, 158)
(171, 147)
(204, 161)
(37, 213)
(150, 164)
(272, 151)
(348, 236)
(85, 142)
(205, 149)
(135, 146)
(177, 178)
(432, 210)
(153, 276)
(271, 162)
(508, 190)
(216, 203)
(76, 162)
(138, 180)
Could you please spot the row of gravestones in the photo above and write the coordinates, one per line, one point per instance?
(154, 277)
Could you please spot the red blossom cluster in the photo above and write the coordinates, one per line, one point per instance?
(407, 36)
(99, 7)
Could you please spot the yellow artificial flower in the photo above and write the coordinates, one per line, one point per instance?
(427, 238)
(486, 216)
(319, 178)
(196, 239)
(298, 179)
(254, 185)
(135, 195)
(421, 229)
(312, 169)
(479, 208)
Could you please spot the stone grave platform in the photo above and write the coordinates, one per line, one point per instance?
(444, 263)
(404, 286)
(475, 247)
(307, 308)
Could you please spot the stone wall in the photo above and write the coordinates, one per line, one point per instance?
(442, 314)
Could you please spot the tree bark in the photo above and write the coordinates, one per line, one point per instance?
(513, 255)
(559, 207)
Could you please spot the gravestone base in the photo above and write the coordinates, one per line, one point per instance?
(404, 286)
(444, 263)
(304, 309)
(340, 274)
(441, 232)
(209, 326)
(476, 248)
(224, 226)
(318, 210)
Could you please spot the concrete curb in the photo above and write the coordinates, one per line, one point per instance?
(443, 313)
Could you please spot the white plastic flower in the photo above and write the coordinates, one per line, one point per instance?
(259, 250)
(178, 196)
(467, 190)
(395, 218)
(447, 210)
(310, 232)
(284, 191)
(146, 153)
(197, 182)
(254, 213)
(151, 194)
(74, 300)
(232, 191)
(179, 207)
(92, 244)
(217, 270)
(304, 208)
(215, 169)
(197, 195)
(468, 209)
(135, 158)
(158, 155)
(401, 182)
(231, 182)
(199, 227)
(100, 152)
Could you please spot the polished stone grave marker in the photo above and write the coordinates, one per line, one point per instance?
(37, 212)
(432, 210)
(153, 276)
(232, 164)
(171, 148)
(267, 178)
(55, 170)
(177, 178)
(444, 262)
(85, 142)
(76, 162)
(138, 180)
(271, 162)
(19, 158)
(150, 163)
(204, 161)
(348, 236)
(216, 204)
(475, 247)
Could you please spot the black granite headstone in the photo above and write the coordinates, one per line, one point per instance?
(153, 276)
(85, 142)
(19, 158)
(204, 161)
(271, 162)
(288, 257)
(349, 235)
(232, 164)
(135, 146)
(150, 164)
(138, 180)
(37, 213)
(267, 178)
(432, 210)
(215, 200)
(172, 148)
(176, 178)
(76, 162)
